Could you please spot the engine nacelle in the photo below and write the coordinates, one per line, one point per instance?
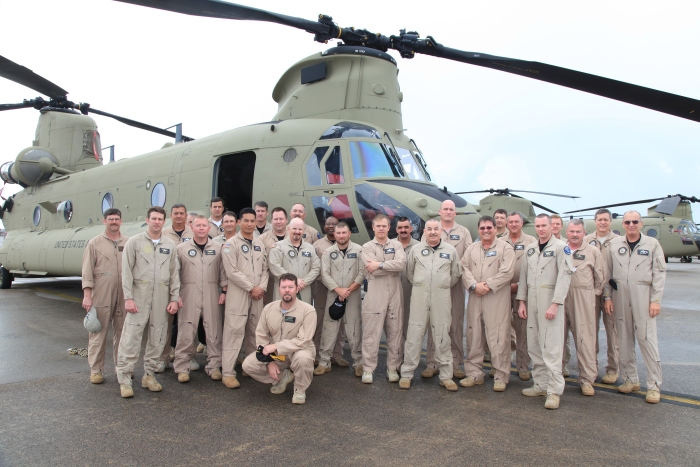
(32, 166)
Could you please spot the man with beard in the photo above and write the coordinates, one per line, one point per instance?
(285, 329)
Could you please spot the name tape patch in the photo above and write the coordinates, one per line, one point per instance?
(389, 250)
(491, 253)
(306, 254)
(579, 256)
(548, 253)
(165, 251)
(210, 252)
(519, 247)
(643, 252)
(290, 319)
(454, 237)
(256, 248)
(352, 255)
(445, 255)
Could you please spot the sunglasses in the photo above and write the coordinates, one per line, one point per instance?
(485, 228)
(635, 222)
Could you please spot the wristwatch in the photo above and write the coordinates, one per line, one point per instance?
(381, 265)
(472, 288)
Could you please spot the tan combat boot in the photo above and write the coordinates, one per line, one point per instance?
(499, 386)
(320, 370)
(429, 372)
(628, 386)
(653, 396)
(534, 391)
(149, 381)
(470, 381)
(183, 377)
(96, 378)
(552, 402)
(126, 390)
(340, 362)
(230, 382)
(587, 389)
(609, 378)
(216, 375)
(449, 385)
(405, 383)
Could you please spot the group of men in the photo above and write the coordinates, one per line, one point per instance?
(280, 298)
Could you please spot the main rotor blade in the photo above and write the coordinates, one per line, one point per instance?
(542, 193)
(26, 77)
(134, 123)
(641, 201)
(668, 205)
(653, 99)
(23, 105)
(477, 191)
(542, 207)
(225, 10)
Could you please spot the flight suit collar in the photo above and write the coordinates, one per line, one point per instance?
(240, 236)
(121, 238)
(388, 240)
(516, 242)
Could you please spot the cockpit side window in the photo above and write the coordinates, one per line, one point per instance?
(410, 166)
(334, 168)
(313, 167)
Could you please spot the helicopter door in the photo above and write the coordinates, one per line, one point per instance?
(330, 193)
(233, 180)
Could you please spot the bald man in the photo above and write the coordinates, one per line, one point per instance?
(310, 235)
(459, 237)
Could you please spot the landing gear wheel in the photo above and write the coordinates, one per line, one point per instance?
(6, 278)
(686, 259)
(666, 258)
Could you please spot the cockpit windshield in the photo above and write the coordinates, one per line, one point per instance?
(688, 227)
(410, 165)
(371, 202)
(372, 160)
(350, 130)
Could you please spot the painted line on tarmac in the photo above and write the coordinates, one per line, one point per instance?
(685, 400)
(59, 295)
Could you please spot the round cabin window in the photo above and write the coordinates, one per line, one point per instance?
(37, 215)
(158, 195)
(651, 232)
(107, 202)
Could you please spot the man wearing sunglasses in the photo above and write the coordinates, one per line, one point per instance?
(545, 276)
(637, 269)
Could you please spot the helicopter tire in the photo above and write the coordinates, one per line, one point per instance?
(690, 259)
(666, 258)
(5, 278)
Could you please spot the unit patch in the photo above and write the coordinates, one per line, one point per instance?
(192, 252)
(519, 247)
(318, 235)
(425, 252)
(567, 250)
(531, 252)
(548, 253)
(593, 242)
(292, 253)
(643, 252)
(165, 251)
(245, 248)
(454, 237)
(334, 255)
(491, 253)
(622, 250)
(578, 256)
(445, 255)
(210, 252)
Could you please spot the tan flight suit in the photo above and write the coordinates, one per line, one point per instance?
(301, 262)
(310, 235)
(293, 333)
(432, 272)
(320, 293)
(201, 277)
(519, 325)
(270, 241)
(491, 312)
(256, 232)
(215, 230)
(221, 239)
(579, 308)
(382, 307)
(186, 236)
(544, 279)
(150, 278)
(341, 270)
(608, 320)
(640, 276)
(102, 272)
(460, 238)
(407, 288)
(246, 267)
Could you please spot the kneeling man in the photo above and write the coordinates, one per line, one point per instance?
(286, 327)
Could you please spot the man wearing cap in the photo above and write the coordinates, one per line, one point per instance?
(286, 328)
(487, 270)
(270, 240)
(203, 285)
(382, 307)
(518, 240)
(545, 275)
(102, 288)
(404, 229)
(216, 206)
(459, 237)
(245, 261)
(601, 239)
(229, 223)
(579, 307)
(432, 268)
(342, 273)
(320, 293)
(637, 267)
(295, 256)
(151, 286)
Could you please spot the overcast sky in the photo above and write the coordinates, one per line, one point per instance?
(478, 128)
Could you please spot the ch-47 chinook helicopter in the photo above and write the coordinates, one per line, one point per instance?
(670, 222)
(336, 144)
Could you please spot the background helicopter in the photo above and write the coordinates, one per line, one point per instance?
(426, 211)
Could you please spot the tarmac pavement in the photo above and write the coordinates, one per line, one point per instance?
(52, 415)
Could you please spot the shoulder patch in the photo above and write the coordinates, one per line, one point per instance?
(531, 252)
(318, 235)
(567, 250)
(425, 252)
(226, 250)
(192, 252)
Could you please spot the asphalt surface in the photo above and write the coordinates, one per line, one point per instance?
(51, 415)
